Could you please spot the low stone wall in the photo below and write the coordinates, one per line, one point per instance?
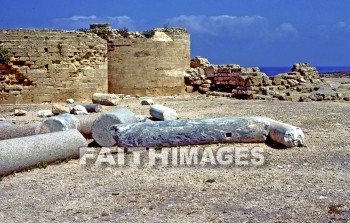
(51, 66)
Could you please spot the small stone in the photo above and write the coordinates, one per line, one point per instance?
(70, 100)
(203, 90)
(2, 118)
(141, 118)
(79, 110)
(20, 112)
(206, 85)
(45, 113)
(59, 109)
(106, 99)
(147, 102)
(346, 98)
(207, 81)
(189, 89)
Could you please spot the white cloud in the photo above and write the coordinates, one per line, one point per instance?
(236, 26)
(336, 29)
(286, 29)
(77, 21)
(341, 26)
(215, 24)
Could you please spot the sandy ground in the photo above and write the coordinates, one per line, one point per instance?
(306, 184)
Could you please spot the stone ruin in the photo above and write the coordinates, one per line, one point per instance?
(53, 65)
(303, 83)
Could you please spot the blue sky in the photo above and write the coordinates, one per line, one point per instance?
(246, 32)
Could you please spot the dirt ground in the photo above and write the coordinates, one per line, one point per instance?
(306, 184)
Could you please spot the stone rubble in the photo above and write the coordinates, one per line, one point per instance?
(105, 99)
(147, 102)
(70, 101)
(79, 110)
(60, 109)
(45, 113)
(19, 112)
(303, 83)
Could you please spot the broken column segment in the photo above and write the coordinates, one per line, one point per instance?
(190, 132)
(101, 126)
(61, 122)
(21, 153)
(162, 113)
(16, 131)
(93, 108)
(86, 121)
(285, 134)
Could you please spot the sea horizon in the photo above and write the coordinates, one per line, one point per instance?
(273, 70)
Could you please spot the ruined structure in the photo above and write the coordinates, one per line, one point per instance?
(302, 83)
(51, 66)
(149, 66)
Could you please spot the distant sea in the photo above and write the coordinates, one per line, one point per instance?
(270, 71)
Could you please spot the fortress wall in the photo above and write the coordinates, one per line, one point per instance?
(149, 66)
(51, 66)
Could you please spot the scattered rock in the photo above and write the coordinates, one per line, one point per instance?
(92, 108)
(70, 100)
(105, 99)
(19, 112)
(189, 89)
(59, 109)
(147, 102)
(163, 113)
(199, 62)
(79, 110)
(2, 118)
(45, 113)
(141, 118)
(203, 90)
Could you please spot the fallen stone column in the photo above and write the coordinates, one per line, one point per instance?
(285, 134)
(21, 153)
(162, 113)
(191, 132)
(17, 131)
(92, 108)
(58, 123)
(86, 121)
(101, 126)
(206, 131)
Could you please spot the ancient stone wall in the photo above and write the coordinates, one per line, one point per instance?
(153, 65)
(303, 83)
(51, 66)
